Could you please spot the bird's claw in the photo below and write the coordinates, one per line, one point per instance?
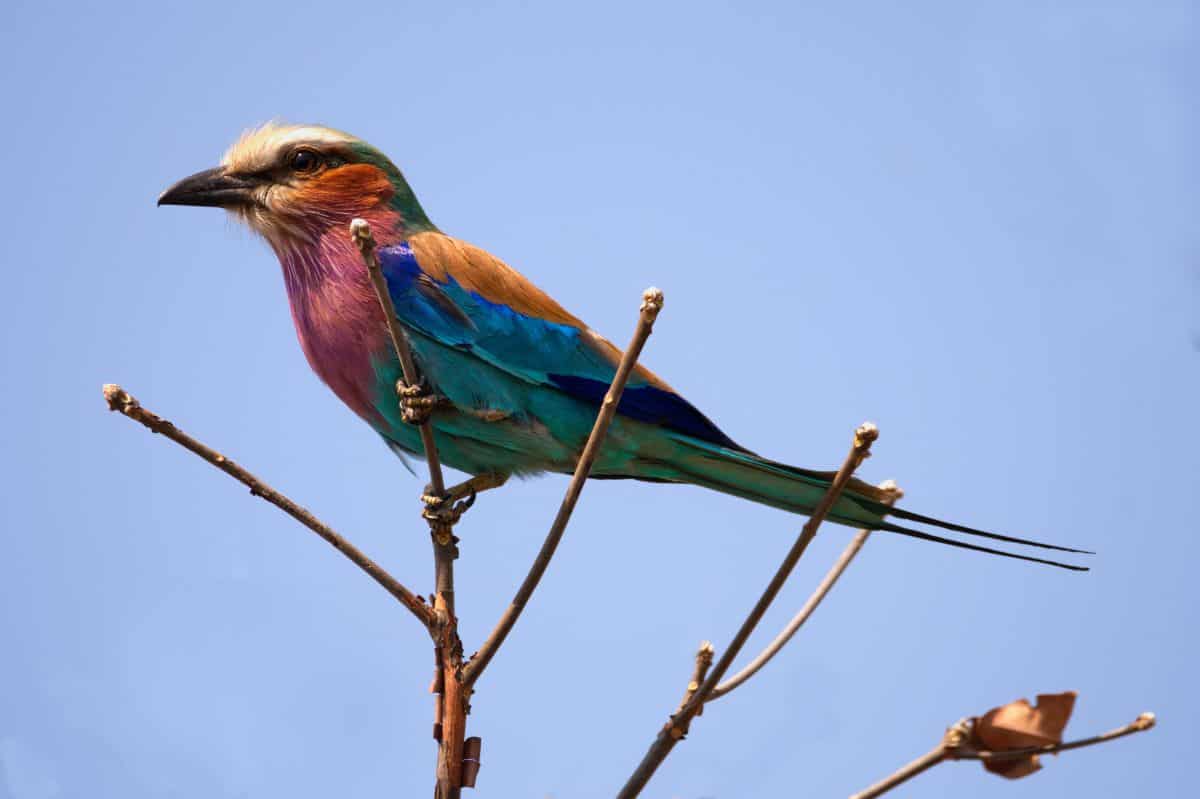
(443, 512)
(416, 402)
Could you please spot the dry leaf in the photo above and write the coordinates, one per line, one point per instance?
(1019, 725)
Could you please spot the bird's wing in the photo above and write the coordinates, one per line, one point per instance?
(472, 304)
(465, 298)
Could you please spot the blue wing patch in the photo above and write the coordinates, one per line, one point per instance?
(532, 349)
(651, 405)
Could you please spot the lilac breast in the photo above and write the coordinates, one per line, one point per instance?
(338, 320)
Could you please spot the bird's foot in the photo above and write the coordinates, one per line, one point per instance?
(417, 402)
(443, 512)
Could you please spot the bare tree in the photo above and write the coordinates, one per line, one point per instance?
(1007, 740)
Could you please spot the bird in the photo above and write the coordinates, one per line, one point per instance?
(512, 381)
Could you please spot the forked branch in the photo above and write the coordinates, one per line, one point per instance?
(675, 728)
(892, 495)
(121, 401)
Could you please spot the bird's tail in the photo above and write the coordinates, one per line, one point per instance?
(752, 477)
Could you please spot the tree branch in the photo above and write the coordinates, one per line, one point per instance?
(956, 745)
(905, 773)
(1142, 723)
(652, 300)
(121, 401)
(893, 495)
(360, 233)
(453, 702)
(955, 736)
(704, 660)
(675, 728)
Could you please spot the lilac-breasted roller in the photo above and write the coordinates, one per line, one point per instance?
(519, 379)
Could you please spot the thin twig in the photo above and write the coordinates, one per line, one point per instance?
(120, 400)
(1142, 723)
(956, 745)
(673, 731)
(893, 495)
(652, 300)
(704, 661)
(905, 773)
(360, 232)
(955, 736)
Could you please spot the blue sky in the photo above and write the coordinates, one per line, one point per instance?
(971, 223)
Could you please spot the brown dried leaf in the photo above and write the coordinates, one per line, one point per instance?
(1018, 725)
(1015, 768)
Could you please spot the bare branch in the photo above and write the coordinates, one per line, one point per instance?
(360, 232)
(893, 495)
(652, 300)
(674, 729)
(904, 773)
(955, 736)
(120, 400)
(453, 696)
(704, 661)
(1142, 723)
(956, 745)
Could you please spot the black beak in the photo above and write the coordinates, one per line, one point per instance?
(212, 187)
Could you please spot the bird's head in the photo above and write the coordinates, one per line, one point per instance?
(292, 183)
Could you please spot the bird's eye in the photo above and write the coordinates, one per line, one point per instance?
(305, 161)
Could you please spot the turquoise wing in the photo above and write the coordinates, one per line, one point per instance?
(525, 353)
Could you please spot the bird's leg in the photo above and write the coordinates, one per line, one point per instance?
(467, 490)
(476, 485)
(447, 509)
(417, 402)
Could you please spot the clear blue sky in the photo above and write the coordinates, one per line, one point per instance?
(974, 224)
